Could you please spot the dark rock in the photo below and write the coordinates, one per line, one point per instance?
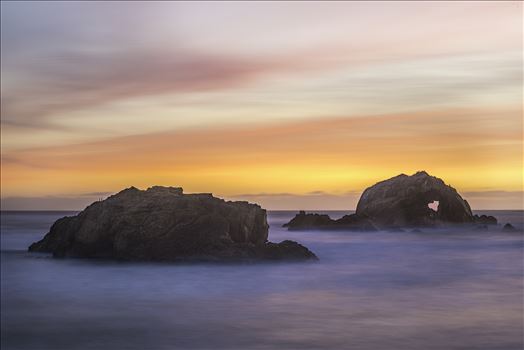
(403, 201)
(356, 222)
(395, 229)
(288, 250)
(163, 224)
(485, 220)
(509, 228)
(303, 221)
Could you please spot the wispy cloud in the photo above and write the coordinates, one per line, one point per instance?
(73, 81)
(305, 100)
(470, 149)
(96, 194)
(51, 75)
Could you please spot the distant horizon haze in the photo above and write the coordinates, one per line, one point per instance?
(316, 201)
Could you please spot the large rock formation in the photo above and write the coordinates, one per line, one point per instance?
(402, 201)
(163, 224)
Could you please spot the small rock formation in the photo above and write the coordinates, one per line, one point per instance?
(288, 250)
(509, 228)
(303, 221)
(311, 221)
(485, 219)
(164, 224)
(356, 222)
(419, 200)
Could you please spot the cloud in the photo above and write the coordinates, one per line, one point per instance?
(96, 194)
(69, 81)
(203, 95)
(49, 73)
(316, 193)
(262, 194)
(469, 149)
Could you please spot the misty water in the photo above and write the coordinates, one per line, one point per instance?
(440, 289)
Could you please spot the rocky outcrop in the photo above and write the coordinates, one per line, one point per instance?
(356, 222)
(303, 221)
(419, 200)
(311, 221)
(403, 201)
(509, 228)
(285, 250)
(485, 219)
(164, 224)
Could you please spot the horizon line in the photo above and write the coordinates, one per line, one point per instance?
(297, 210)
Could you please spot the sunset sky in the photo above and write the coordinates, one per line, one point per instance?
(297, 105)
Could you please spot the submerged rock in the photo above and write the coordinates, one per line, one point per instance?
(419, 200)
(485, 219)
(164, 224)
(311, 221)
(509, 228)
(285, 250)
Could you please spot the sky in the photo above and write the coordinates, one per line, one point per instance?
(292, 105)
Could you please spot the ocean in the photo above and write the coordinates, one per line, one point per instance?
(435, 289)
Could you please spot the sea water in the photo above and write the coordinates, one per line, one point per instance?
(435, 289)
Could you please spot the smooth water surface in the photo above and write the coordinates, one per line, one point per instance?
(384, 290)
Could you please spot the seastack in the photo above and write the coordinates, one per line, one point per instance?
(164, 224)
(403, 201)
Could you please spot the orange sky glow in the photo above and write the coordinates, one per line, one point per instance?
(273, 109)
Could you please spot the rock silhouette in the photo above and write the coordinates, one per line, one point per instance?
(509, 228)
(403, 201)
(304, 221)
(419, 200)
(164, 224)
(485, 219)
